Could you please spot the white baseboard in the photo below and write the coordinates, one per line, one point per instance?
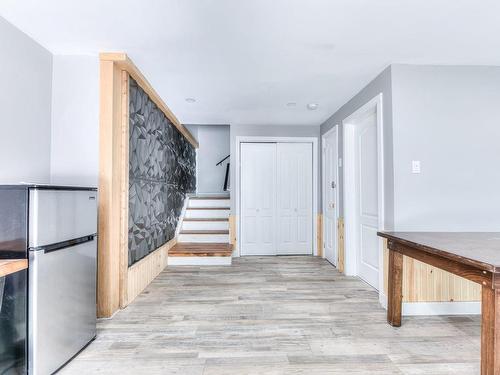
(435, 308)
(441, 308)
(382, 298)
(199, 261)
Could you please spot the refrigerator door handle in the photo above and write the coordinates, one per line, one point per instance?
(64, 244)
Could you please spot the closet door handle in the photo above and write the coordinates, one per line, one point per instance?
(295, 210)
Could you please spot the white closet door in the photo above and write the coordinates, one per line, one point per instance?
(294, 197)
(258, 192)
(367, 186)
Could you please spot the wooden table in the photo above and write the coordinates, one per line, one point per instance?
(473, 256)
(8, 266)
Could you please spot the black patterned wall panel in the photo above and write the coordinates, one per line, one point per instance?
(162, 170)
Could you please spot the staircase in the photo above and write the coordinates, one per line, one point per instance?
(204, 235)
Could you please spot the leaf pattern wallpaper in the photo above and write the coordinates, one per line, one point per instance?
(162, 170)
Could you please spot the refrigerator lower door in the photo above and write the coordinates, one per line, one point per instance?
(62, 305)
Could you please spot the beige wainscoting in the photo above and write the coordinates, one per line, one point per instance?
(424, 283)
(232, 230)
(340, 243)
(144, 271)
(319, 234)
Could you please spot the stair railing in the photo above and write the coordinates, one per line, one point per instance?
(226, 177)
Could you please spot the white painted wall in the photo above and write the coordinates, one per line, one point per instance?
(447, 117)
(213, 146)
(75, 120)
(25, 107)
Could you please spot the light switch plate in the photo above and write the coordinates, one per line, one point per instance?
(415, 166)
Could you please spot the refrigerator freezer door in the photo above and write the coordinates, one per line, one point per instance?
(61, 215)
(62, 305)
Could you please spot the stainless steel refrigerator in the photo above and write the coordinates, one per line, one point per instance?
(56, 229)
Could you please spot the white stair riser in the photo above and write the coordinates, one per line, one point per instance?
(203, 238)
(208, 203)
(205, 225)
(199, 261)
(207, 213)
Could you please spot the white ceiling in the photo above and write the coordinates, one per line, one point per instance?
(243, 60)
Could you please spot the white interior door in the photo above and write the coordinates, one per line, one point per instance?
(257, 194)
(367, 202)
(330, 183)
(294, 198)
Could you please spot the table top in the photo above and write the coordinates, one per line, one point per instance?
(8, 266)
(479, 249)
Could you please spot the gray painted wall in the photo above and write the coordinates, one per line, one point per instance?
(448, 118)
(25, 105)
(381, 84)
(269, 131)
(214, 145)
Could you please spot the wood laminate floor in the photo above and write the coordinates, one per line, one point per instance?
(273, 315)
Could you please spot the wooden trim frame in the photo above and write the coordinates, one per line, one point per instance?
(117, 284)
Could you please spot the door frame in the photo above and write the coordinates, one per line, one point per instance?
(351, 261)
(264, 139)
(335, 129)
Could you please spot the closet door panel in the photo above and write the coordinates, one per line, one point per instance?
(258, 206)
(294, 191)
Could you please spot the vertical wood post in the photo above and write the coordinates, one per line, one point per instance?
(490, 332)
(124, 188)
(395, 288)
(110, 139)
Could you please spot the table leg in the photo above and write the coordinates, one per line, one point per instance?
(490, 332)
(395, 288)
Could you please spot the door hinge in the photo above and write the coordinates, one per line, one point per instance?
(334, 185)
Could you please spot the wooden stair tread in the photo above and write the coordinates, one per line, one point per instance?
(208, 198)
(195, 249)
(204, 231)
(206, 219)
(208, 208)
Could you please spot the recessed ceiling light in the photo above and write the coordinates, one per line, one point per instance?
(312, 106)
(190, 100)
(291, 104)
